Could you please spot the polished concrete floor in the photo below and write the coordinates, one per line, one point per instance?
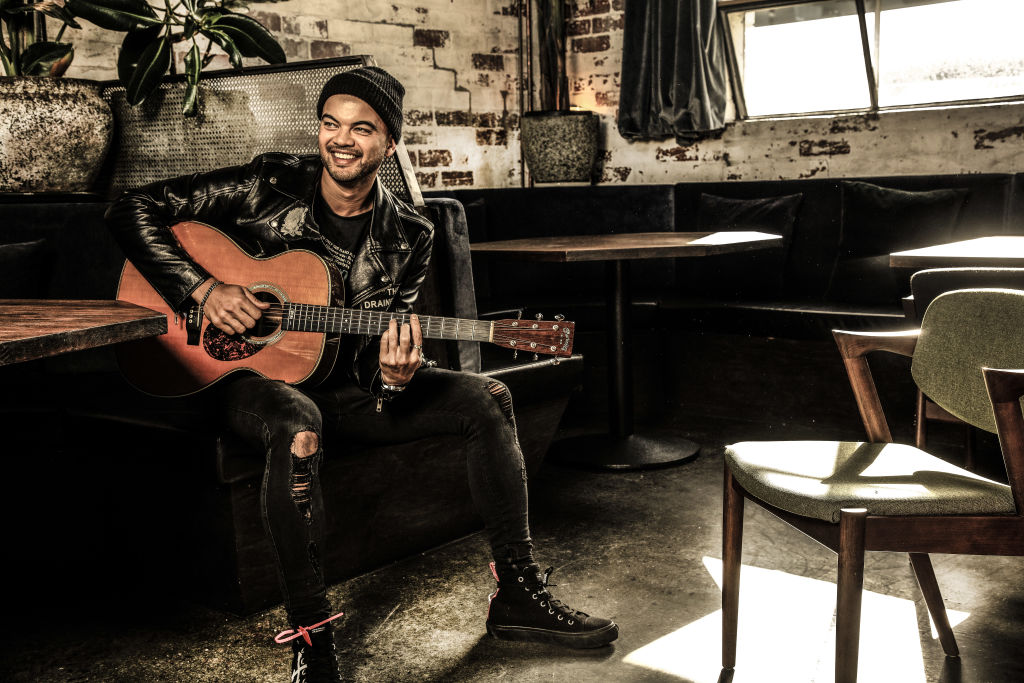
(640, 547)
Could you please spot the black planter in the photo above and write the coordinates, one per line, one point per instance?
(560, 146)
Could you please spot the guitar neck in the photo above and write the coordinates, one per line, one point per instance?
(337, 320)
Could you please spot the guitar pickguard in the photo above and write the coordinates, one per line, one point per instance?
(222, 346)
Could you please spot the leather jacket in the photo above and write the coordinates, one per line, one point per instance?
(266, 206)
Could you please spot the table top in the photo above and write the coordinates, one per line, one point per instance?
(633, 245)
(37, 328)
(1000, 250)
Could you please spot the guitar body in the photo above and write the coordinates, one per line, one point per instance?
(168, 366)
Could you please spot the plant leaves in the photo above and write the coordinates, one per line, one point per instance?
(250, 36)
(38, 58)
(132, 47)
(193, 67)
(153, 63)
(225, 42)
(58, 68)
(114, 15)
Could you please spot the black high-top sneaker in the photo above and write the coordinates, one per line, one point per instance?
(317, 660)
(522, 608)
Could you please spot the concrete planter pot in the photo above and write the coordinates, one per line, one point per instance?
(55, 135)
(560, 146)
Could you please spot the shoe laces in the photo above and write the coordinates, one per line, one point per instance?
(552, 602)
(303, 631)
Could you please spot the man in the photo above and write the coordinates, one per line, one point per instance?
(378, 393)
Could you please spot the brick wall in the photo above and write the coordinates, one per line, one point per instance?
(456, 58)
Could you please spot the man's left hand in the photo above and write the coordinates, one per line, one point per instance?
(400, 351)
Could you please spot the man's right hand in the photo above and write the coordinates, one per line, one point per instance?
(232, 309)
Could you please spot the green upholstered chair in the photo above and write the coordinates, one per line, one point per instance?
(968, 357)
(927, 284)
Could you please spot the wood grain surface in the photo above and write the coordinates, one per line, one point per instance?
(37, 328)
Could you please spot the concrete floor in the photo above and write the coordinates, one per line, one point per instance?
(640, 547)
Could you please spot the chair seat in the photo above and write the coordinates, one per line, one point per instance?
(819, 478)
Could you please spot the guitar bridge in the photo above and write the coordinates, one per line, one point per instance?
(193, 325)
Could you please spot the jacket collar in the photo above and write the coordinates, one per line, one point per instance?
(299, 182)
(386, 230)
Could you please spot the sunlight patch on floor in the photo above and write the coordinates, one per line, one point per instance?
(787, 633)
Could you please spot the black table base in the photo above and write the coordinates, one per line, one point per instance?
(621, 448)
(649, 449)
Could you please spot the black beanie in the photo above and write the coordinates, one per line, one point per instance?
(373, 85)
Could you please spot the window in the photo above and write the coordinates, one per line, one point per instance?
(840, 55)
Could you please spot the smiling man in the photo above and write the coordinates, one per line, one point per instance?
(378, 393)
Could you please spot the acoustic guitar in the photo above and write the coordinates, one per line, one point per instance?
(296, 339)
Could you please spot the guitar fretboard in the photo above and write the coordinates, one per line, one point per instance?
(336, 320)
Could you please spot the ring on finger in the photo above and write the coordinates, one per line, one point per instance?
(418, 347)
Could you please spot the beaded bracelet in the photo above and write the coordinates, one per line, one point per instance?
(207, 296)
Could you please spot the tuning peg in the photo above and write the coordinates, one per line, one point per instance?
(536, 356)
(559, 317)
(539, 316)
(515, 354)
(556, 360)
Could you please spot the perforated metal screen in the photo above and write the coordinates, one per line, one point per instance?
(241, 114)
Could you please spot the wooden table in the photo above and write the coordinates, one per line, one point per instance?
(38, 328)
(626, 449)
(1001, 250)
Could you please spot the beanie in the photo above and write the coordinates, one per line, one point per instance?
(373, 85)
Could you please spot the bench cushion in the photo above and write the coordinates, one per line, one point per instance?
(877, 221)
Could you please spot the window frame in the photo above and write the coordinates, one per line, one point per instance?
(727, 7)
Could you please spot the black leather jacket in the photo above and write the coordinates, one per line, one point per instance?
(266, 206)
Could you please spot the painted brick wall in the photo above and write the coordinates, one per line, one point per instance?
(456, 58)
(978, 139)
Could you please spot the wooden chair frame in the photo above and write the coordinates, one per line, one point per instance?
(857, 531)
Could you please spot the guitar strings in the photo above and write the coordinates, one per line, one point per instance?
(506, 333)
(360, 318)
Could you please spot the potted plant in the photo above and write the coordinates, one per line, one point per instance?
(60, 127)
(559, 143)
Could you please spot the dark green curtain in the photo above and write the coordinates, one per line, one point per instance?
(673, 70)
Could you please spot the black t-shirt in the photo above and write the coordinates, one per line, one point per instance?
(341, 235)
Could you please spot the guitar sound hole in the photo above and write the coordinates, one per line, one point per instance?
(270, 322)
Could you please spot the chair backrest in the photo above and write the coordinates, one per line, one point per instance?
(962, 332)
(242, 113)
(925, 285)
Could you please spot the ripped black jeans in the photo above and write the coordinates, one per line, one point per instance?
(269, 415)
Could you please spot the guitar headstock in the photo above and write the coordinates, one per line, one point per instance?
(548, 337)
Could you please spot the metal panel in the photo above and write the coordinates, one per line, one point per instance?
(241, 114)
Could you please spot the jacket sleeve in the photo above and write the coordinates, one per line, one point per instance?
(367, 366)
(140, 221)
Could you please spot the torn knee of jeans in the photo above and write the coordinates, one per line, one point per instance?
(305, 445)
(501, 394)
